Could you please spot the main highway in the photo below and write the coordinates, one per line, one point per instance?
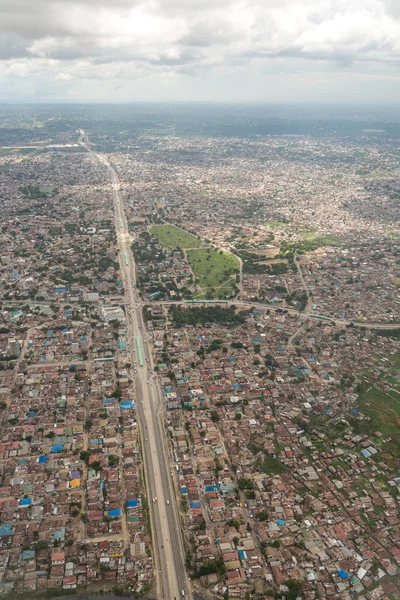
(168, 548)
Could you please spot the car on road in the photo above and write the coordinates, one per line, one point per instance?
(167, 501)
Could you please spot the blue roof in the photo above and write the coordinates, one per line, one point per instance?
(25, 502)
(132, 503)
(195, 504)
(343, 575)
(280, 522)
(60, 534)
(57, 448)
(28, 555)
(6, 530)
(125, 404)
(114, 513)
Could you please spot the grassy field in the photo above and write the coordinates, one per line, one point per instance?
(214, 271)
(322, 240)
(378, 173)
(384, 410)
(169, 235)
(275, 224)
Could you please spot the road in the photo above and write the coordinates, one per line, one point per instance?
(168, 547)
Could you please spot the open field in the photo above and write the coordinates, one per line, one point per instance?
(384, 410)
(268, 252)
(214, 271)
(378, 173)
(322, 240)
(169, 235)
(275, 224)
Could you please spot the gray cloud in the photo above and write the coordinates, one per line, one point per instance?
(76, 40)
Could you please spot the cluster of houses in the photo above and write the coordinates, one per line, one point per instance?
(282, 474)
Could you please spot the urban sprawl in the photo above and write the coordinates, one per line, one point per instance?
(219, 310)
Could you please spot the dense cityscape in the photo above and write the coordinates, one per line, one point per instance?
(199, 352)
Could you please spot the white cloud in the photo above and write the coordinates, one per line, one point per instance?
(126, 39)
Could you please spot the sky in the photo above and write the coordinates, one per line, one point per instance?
(258, 51)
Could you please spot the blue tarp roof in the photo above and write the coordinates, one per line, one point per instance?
(280, 522)
(114, 513)
(195, 504)
(42, 460)
(132, 503)
(57, 448)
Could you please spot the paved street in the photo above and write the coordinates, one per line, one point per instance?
(167, 540)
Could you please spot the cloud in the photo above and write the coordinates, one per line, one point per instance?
(139, 38)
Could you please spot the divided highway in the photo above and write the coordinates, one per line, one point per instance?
(168, 549)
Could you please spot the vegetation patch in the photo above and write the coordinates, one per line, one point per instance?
(384, 410)
(173, 237)
(273, 466)
(276, 224)
(33, 191)
(215, 272)
(306, 245)
(209, 314)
